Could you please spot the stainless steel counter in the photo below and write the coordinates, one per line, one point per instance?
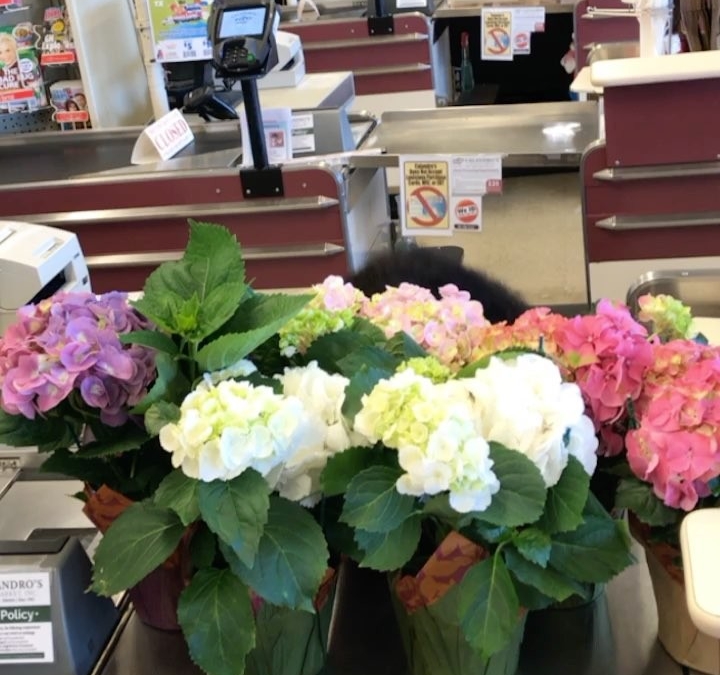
(454, 10)
(615, 635)
(538, 134)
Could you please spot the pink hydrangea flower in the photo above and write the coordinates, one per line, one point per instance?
(69, 343)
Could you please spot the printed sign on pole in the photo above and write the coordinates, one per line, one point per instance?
(496, 35)
(425, 196)
(526, 21)
(442, 194)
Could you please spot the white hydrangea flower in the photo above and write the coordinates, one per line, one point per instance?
(242, 368)
(524, 404)
(322, 395)
(583, 444)
(439, 446)
(227, 428)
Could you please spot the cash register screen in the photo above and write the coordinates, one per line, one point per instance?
(242, 22)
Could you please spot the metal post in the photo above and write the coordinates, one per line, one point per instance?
(256, 131)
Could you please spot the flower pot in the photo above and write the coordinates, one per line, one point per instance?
(435, 644)
(676, 631)
(426, 606)
(292, 642)
(155, 598)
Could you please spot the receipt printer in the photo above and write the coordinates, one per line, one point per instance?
(35, 262)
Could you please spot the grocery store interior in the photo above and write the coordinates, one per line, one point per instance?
(567, 149)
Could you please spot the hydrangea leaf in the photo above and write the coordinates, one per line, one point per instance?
(179, 493)
(291, 560)
(237, 511)
(388, 551)
(140, 540)
(373, 503)
(522, 494)
(640, 498)
(489, 609)
(566, 499)
(216, 617)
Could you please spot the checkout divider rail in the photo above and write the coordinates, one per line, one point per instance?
(128, 225)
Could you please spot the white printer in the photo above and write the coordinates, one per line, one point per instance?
(35, 262)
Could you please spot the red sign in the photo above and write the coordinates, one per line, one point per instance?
(433, 206)
(467, 211)
(493, 186)
(522, 40)
(498, 42)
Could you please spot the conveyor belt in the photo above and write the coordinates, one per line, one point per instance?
(538, 134)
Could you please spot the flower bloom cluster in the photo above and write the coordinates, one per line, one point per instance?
(448, 327)
(432, 428)
(232, 426)
(442, 430)
(334, 307)
(70, 343)
(670, 318)
(675, 447)
(608, 354)
(322, 396)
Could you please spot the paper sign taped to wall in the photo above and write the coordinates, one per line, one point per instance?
(496, 34)
(526, 21)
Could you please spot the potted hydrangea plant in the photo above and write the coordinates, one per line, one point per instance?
(470, 483)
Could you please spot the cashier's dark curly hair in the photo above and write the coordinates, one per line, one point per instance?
(433, 268)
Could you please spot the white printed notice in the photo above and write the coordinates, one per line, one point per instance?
(25, 618)
(526, 21)
(443, 194)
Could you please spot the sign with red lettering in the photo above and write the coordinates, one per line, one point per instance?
(163, 139)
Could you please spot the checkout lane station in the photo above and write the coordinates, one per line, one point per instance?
(326, 214)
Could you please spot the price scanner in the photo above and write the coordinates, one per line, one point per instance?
(243, 36)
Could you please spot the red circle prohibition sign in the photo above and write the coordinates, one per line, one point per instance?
(433, 218)
(500, 41)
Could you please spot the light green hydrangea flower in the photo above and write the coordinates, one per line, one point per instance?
(427, 366)
(671, 319)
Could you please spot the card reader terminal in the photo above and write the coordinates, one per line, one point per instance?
(242, 33)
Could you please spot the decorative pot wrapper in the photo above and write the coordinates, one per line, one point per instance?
(445, 568)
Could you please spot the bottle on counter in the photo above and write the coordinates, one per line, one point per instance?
(467, 77)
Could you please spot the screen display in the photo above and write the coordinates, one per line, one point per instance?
(242, 22)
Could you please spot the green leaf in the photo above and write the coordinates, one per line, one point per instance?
(491, 534)
(522, 494)
(260, 309)
(19, 431)
(150, 338)
(489, 609)
(387, 551)
(367, 329)
(361, 383)
(594, 553)
(236, 511)
(534, 545)
(159, 414)
(330, 349)
(343, 467)
(547, 581)
(196, 295)
(217, 620)
(95, 472)
(170, 385)
(403, 347)
(291, 560)
(203, 547)
(373, 503)
(439, 507)
(141, 539)
(367, 357)
(531, 598)
(639, 497)
(506, 355)
(566, 500)
(129, 437)
(179, 493)
(229, 349)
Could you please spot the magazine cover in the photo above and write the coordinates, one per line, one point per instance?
(21, 82)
